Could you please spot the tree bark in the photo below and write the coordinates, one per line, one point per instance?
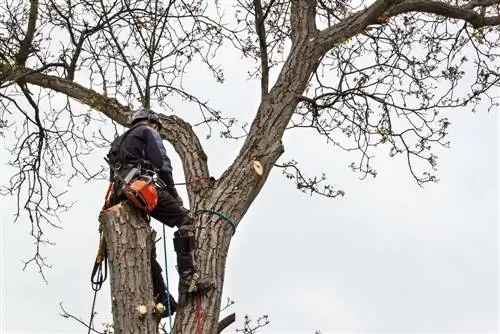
(129, 242)
(239, 185)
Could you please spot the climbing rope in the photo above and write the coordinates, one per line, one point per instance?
(166, 278)
(220, 214)
(92, 312)
(194, 180)
(203, 210)
(98, 276)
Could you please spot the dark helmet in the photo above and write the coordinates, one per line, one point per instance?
(146, 114)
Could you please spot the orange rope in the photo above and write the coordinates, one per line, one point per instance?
(106, 197)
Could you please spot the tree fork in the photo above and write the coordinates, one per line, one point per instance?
(129, 239)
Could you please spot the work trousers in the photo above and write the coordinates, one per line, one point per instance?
(171, 213)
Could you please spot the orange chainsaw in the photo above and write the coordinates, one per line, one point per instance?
(138, 189)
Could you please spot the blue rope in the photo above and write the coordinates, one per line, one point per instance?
(166, 278)
(220, 214)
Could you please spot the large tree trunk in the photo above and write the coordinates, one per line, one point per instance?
(236, 189)
(129, 241)
(201, 314)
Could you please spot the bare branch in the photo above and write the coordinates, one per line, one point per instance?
(249, 328)
(24, 50)
(353, 24)
(125, 59)
(465, 12)
(260, 28)
(229, 302)
(308, 184)
(225, 322)
(68, 315)
(175, 130)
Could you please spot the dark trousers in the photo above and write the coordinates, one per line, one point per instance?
(168, 212)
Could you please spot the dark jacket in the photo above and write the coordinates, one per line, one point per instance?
(143, 144)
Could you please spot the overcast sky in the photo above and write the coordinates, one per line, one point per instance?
(388, 257)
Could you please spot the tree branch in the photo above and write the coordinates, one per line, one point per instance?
(260, 28)
(263, 143)
(74, 59)
(226, 322)
(67, 315)
(303, 18)
(125, 59)
(465, 13)
(176, 131)
(478, 3)
(24, 50)
(354, 24)
(308, 184)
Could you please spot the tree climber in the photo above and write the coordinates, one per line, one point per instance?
(141, 147)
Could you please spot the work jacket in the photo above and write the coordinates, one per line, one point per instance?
(142, 144)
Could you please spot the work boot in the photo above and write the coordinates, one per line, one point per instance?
(193, 283)
(184, 246)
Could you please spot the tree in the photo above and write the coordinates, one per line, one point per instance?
(396, 65)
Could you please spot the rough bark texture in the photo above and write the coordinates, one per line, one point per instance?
(234, 192)
(128, 241)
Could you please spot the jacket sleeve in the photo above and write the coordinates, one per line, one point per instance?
(157, 155)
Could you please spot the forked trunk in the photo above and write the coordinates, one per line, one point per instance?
(233, 193)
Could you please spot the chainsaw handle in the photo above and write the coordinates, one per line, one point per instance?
(147, 178)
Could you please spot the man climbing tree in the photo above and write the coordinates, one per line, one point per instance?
(138, 153)
(368, 74)
(141, 149)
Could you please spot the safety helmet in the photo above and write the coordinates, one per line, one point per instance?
(146, 114)
(142, 194)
